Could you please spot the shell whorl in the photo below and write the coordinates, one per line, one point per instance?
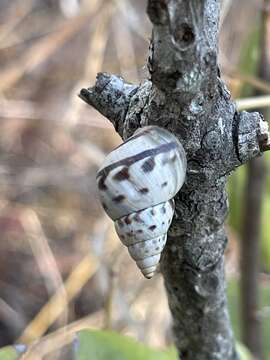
(137, 183)
(145, 233)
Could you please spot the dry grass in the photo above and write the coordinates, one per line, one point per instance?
(51, 146)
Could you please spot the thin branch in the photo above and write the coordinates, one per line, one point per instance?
(55, 306)
(253, 102)
(186, 95)
(110, 96)
(96, 52)
(43, 49)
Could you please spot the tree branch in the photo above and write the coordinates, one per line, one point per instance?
(110, 96)
(186, 95)
(183, 51)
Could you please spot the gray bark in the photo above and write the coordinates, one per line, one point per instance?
(186, 95)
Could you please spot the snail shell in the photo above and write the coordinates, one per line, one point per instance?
(137, 183)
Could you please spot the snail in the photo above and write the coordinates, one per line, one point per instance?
(137, 183)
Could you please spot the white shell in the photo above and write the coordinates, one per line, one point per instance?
(145, 233)
(136, 184)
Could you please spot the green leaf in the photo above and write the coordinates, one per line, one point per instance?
(243, 352)
(11, 352)
(104, 345)
(108, 345)
(8, 353)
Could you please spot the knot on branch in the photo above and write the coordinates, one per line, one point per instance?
(248, 136)
(183, 35)
(157, 11)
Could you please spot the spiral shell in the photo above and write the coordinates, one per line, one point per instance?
(137, 183)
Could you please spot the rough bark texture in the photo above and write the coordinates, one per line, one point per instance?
(186, 95)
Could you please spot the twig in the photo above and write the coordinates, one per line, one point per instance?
(10, 316)
(13, 19)
(57, 339)
(133, 20)
(50, 311)
(253, 103)
(254, 81)
(109, 303)
(126, 55)
(97, 46)
(44, 258)
(39, 52)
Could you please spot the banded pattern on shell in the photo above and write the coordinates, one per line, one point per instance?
(145, 234)
(136, 184)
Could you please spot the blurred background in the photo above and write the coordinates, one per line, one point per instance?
(62, 267)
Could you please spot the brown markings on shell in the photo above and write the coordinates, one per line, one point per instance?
(128, 161)
(153, 213)
(119, 198)
(128, 220)
(148, 165)
(164, 184)
(122, 175)
(137, 218)
(140, 231)
(152, 227)
(144, 191)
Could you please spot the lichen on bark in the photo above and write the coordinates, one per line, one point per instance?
(185, 94)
